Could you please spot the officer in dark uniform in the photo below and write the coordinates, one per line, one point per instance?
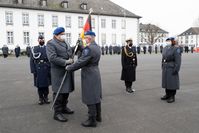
(156, 49)
(28, 50)
(129, 64)
(5, 51)
(90, 79)
(106, 49)
(150, 49)
(144, 49)
(171, 62)
(102, 48)
(138, 49)
(60, 55)
(40, 67)
(110, 50)
(17, 51)
(161, 48)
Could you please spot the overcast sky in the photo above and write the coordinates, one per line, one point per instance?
(174, 16)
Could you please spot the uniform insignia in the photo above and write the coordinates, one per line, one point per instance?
(85, 51)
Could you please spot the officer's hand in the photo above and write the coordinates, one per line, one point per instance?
(69, 61)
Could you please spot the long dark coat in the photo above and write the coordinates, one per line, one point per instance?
(5, 50)
(90, 74)
(58, 52)
(40, 67)
(129, 64)
(171, 62)
(17, 51)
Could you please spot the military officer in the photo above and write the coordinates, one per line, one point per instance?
(17, 51)
(40, 67)
(5, 50)
(129, 64)
(171, 62)
(90, 79)
(60, 55)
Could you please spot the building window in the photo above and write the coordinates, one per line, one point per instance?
(83, 6)
(103, 23)
(123, 24)
(64, 4)
(26, 38)
(68, 38)
(114, 24)
(80, 22)
(40, 20)
(123, 38)
(103, 39)
(54, 21)
(93, 23)
(43, 3)
(113, 39)
(10, 37)
(25, 18)
(68, 21)
(9, 18)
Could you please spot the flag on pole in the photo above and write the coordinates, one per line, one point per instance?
(87, 26)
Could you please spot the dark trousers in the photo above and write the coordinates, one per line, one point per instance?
(128, 84)
(170, 93)
(43, 92)
(94, 110)
(61, 102)
(5, 55)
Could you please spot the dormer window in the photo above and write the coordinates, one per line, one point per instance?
(43, 3)
(19, 1)
(64, 4)
(83, 6)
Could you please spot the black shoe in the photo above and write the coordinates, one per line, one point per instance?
(41, 101)
(129, 90)
(60, 117)
(171, 99)
(165, 97)
(46, 101)
(91, 122)
(67, 111)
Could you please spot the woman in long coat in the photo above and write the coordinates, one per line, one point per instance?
(129, 64)
(171, 62)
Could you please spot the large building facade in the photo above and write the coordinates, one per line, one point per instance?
(190, 37)
(23, 20)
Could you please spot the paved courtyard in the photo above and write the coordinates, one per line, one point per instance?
(142, 112)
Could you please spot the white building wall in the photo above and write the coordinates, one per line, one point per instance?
(33, 28)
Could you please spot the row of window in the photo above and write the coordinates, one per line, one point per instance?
(26, 38)
(40, 17)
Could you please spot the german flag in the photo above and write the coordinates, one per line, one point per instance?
(86, 27)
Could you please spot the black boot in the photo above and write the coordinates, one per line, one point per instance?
(129, 90)
(41, 101)
(91, 122)
(46, 100)
(66, 110)
(59, 117)
(98, 110)
(165, 97)
(171, 99)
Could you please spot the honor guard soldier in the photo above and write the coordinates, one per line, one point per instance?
(90, 79)
(40, 67)
(171, 62)
(60, 55)
(129, 64)
(17, 51)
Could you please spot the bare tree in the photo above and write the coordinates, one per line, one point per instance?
(153, 33)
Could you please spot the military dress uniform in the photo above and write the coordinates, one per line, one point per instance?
(40, 67)
(129, 64)
(90, 80)
(171, 62)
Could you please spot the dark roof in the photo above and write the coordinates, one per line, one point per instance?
(109, 8)
(146, 27)
(191, 31)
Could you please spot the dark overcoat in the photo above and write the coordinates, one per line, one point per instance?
(40, 66)
(17, 51)
(58, 52)
(171, 62)
(129, 64)
(90, 74)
